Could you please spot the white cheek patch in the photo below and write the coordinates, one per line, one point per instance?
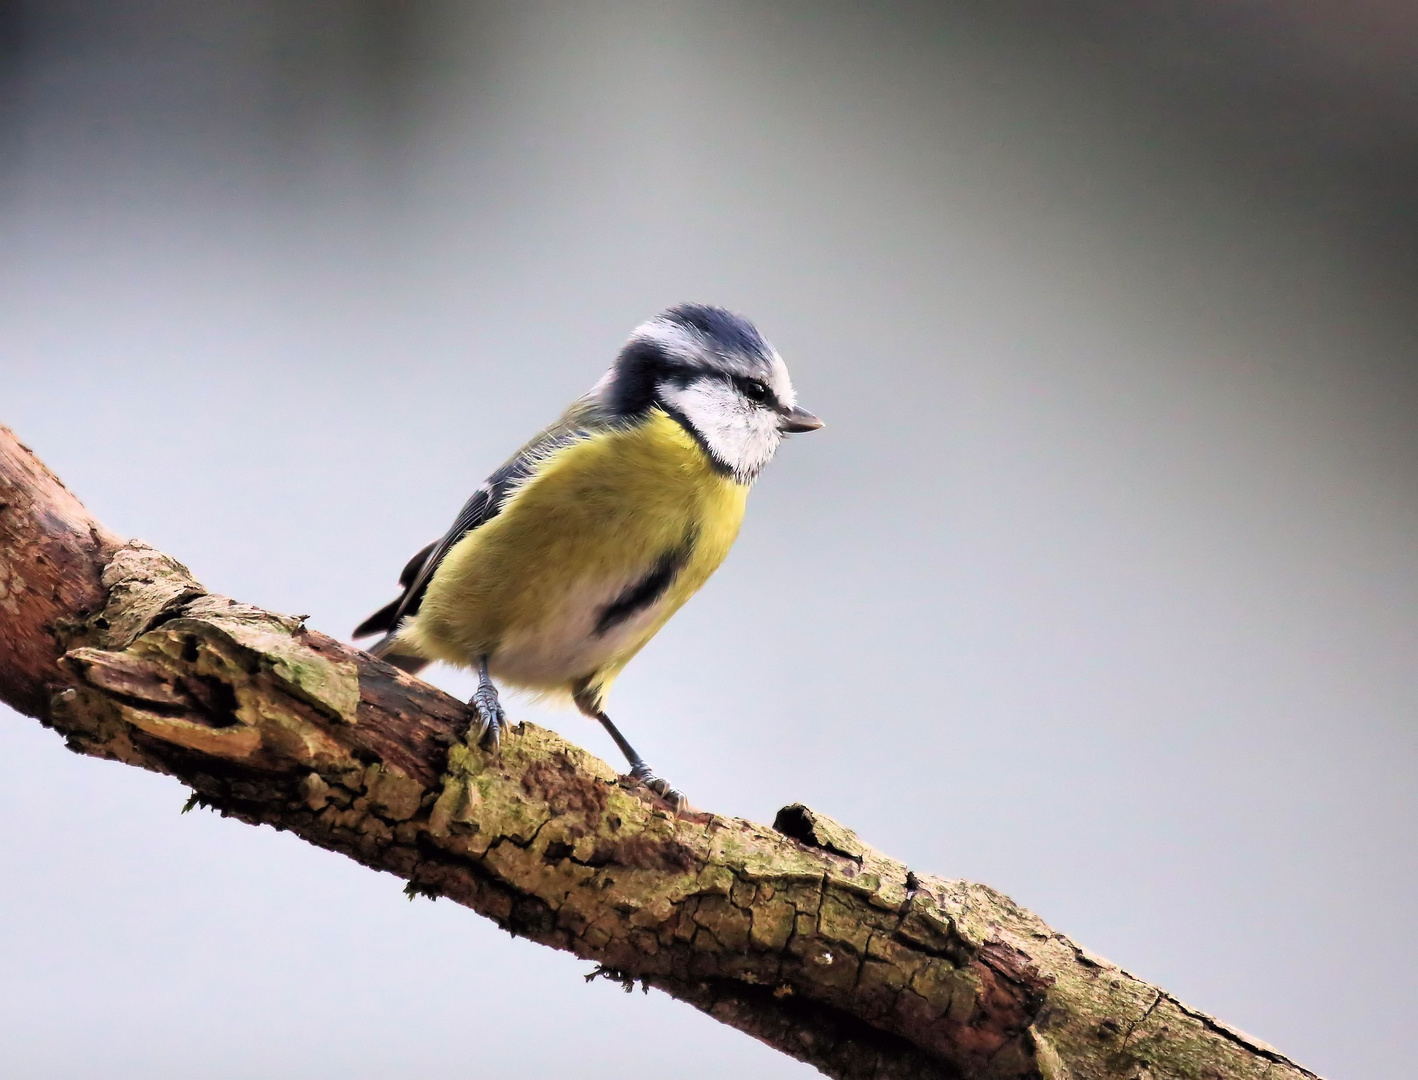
(739, 434)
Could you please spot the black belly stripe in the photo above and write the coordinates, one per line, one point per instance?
(647, 590)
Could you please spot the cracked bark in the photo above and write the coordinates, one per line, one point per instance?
(800, 935)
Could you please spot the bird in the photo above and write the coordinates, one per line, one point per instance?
(573, 554)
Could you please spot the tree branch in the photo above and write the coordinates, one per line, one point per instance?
(800, 935)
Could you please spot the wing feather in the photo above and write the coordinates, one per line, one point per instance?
(584, 418)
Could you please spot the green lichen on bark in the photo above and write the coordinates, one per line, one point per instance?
(802, 933)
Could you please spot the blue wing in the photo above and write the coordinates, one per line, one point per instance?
(581, 420)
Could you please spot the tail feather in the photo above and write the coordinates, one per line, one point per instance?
(386, 620)
(382, 621)
(412, 664)
(384, 649)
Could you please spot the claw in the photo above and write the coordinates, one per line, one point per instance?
(661, 787)
(488, 718)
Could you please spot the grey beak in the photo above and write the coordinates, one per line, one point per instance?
(797, 420)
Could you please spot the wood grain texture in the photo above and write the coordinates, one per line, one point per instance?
(800, 935)
(52, 555)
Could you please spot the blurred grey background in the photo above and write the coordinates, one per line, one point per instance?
(1101, 586)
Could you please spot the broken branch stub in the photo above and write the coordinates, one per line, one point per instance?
(800, 935)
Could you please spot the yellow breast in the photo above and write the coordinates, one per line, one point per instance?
(528, 588)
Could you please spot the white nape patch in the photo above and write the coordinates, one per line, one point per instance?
(603, 384)
(741, 434)
(676, 340)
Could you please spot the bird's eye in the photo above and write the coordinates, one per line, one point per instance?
(755, 390)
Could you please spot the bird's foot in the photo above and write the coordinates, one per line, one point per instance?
(643, 774)
(487, 718)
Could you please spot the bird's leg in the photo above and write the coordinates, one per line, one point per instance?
(488, 718)
(642, 772)
(639, 770)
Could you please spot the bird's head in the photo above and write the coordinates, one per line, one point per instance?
(713, 372)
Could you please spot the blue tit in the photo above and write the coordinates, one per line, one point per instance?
(573, 554)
